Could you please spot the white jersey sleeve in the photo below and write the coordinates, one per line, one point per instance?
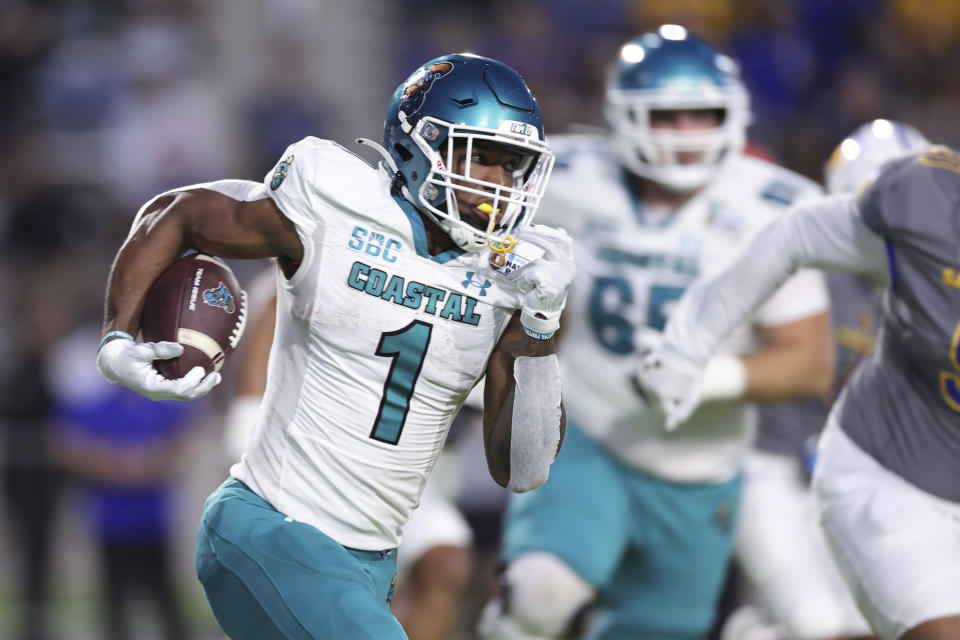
(827, 233)
(242, 190)
(290, 183)
(296, 185)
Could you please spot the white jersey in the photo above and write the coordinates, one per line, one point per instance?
(631, 271)
(377, 346)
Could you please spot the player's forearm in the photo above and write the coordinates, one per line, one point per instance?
(524, 420)
(538, 421)
(210, 220)
(826, 234)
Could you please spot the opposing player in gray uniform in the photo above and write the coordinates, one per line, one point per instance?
(795, 588)
(888, 474)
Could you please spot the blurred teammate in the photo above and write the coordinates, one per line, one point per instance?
(887, 479)
(634, 519)
(391, 304)
(434, 559)
(779, 545)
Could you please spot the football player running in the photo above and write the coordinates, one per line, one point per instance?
(635, 519)
(779, 545)
(887, 479)
(399, 289)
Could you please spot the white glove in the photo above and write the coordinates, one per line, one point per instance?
(671, 383)
(545, 281)
(131, 364)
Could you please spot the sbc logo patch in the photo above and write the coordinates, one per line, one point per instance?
(281, 172)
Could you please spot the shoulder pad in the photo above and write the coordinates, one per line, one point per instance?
(313, 174)
(773, 186)
(913, 194)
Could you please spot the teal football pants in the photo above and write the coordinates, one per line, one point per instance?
(656, 551)
(267, 577)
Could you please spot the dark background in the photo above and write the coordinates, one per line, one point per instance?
(104, 103)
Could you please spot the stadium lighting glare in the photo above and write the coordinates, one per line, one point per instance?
(673, 32)
(632, 53)
(882, 128)
(850, 149)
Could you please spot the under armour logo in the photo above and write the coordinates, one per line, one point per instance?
(476, 283)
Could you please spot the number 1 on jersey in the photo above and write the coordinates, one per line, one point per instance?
(408, 348)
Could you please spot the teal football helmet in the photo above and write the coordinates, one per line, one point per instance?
(461, 99)
(671, 69)
(859, 156)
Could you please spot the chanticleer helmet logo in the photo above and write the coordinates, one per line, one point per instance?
(420, 84)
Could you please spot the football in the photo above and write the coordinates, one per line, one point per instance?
(197, 302)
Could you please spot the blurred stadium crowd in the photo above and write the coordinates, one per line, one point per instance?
(106, 102)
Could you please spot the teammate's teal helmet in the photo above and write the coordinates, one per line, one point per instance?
(859, 156)
(669, 69)
(464, 98)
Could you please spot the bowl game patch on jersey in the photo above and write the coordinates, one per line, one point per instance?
(509, 263)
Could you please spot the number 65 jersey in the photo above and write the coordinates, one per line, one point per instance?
(633, 265)
(377, 346)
